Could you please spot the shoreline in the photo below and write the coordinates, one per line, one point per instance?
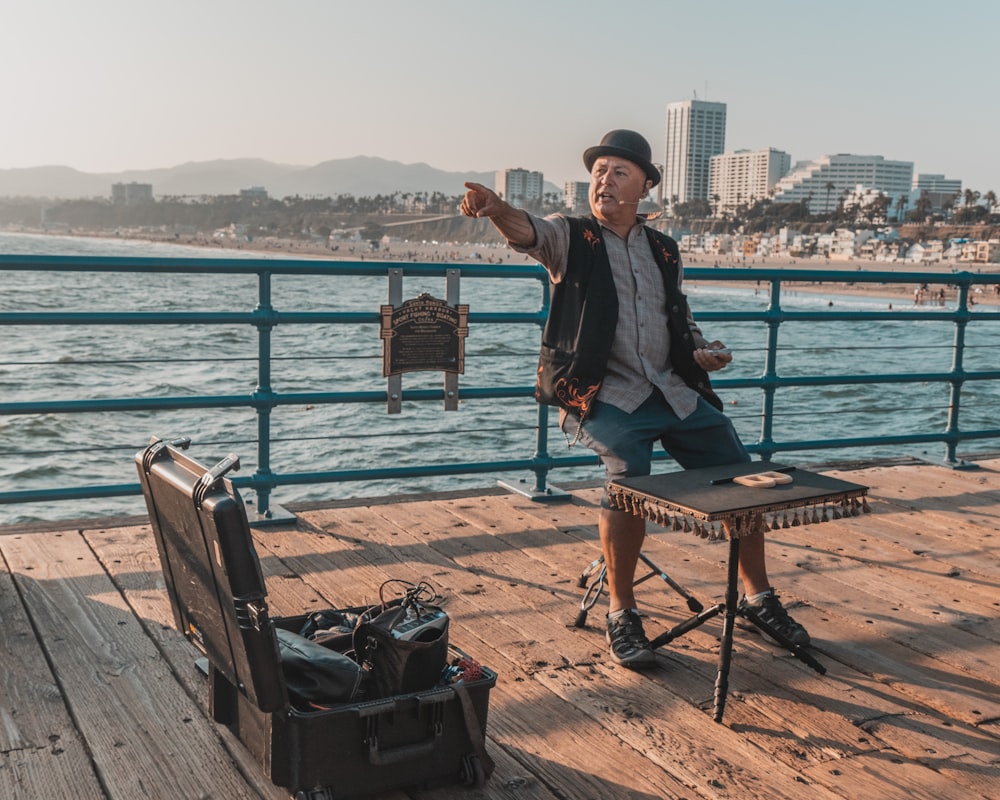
(498, 253)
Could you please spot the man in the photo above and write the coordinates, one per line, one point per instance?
(624, 360)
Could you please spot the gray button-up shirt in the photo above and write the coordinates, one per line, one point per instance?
(640, 353)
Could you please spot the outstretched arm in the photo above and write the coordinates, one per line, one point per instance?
(513, 223)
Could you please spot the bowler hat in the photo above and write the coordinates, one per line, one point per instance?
(625, 144)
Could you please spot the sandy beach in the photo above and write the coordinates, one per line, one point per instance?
(896, 295)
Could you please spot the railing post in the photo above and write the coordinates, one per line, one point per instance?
(540, 458)
(264, 513)
(768, 379)
(957, 371)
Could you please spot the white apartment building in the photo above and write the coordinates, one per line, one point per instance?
(743, 177)
(696, 131)
(519, 186)
(576, 195)
(823, 182)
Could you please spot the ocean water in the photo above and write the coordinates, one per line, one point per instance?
(100, 362)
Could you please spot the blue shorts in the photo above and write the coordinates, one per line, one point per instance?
(624, 442)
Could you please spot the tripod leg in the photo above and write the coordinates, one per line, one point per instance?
(692, 603)
(728, 626)
(688, 625)
(589, 572)
(592, 594)
(796, 650)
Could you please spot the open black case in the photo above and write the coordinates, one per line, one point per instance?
(217, 593)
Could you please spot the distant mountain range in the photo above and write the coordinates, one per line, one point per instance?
(361, 176)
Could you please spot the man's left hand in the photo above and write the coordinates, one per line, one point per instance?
(709, 359)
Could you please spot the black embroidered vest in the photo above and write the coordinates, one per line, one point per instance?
(580, 328)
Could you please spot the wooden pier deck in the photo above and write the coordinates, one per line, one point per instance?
(100, 698)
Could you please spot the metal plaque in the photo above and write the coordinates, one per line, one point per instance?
(422, 334)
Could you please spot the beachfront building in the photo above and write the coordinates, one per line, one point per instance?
(937, 189)
(845, 243)
(131, 194)
(257, 194)
(829, 180)
(519, 187)
(576, 195)
(696, 131)
(741, 178)
(980, 252)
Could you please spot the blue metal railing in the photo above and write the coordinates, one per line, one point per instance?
(264, 318)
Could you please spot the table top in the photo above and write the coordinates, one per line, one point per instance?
(693, 491)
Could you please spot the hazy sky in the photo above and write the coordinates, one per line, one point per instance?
(110, 85)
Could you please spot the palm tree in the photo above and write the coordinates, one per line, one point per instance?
(900, 206)
(829, 188)
(923, 206)
(991, 198)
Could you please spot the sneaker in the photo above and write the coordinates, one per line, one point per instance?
(629, 645)
(770, 611)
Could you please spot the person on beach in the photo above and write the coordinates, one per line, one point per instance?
(627, 365)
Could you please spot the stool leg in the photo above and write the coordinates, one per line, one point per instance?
(728, 626)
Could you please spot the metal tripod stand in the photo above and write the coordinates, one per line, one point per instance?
(594, 577)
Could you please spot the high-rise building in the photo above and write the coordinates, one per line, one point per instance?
(519, 186)
(824, 182)
(741, 178)
(131, 194)
(937, 189)
(696, 131)
(576, 195)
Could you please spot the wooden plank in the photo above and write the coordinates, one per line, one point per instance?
(953, 605)
(882, 776)
(962, 754)
(684, 741)
(144, 733)
(863, 631)
(41, 752)
(963, 547)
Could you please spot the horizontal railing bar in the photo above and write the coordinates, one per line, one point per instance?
(273, 266)
(289, 266)
(88, 362)
(865, 441)
(262, 400)
(271, 400)
(258, 483)
(238, 318)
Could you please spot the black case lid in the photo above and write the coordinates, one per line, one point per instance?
(211, 569)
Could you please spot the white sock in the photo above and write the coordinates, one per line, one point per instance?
(616, 614)
(754, 599)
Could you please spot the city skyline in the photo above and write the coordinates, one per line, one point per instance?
(111, 86)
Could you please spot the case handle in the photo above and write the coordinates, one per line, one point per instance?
(212, 476)
(393, 755)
